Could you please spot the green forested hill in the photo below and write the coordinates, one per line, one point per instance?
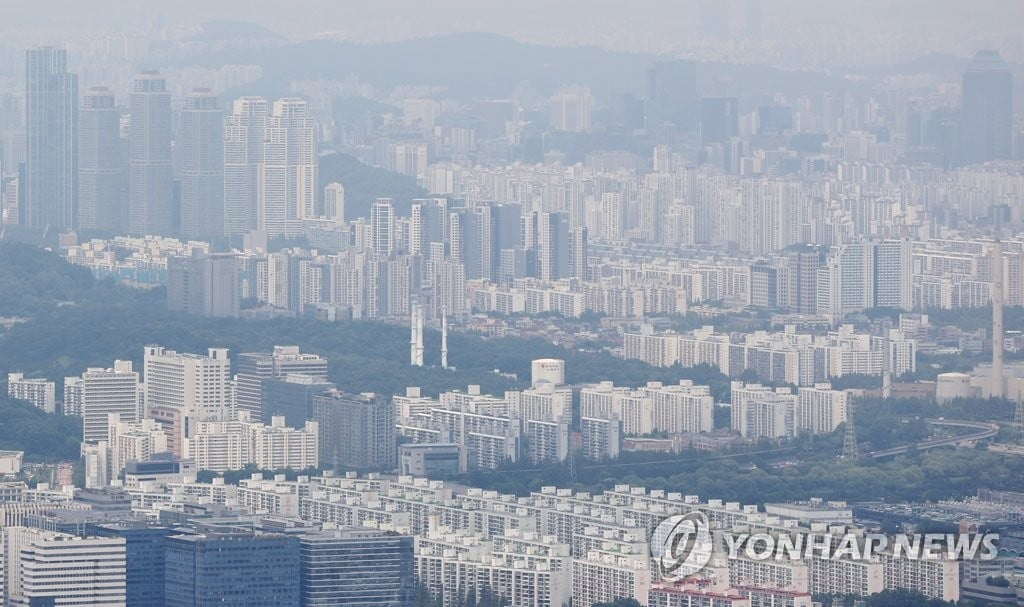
(42, 436)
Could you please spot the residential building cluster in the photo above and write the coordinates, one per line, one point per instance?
(330, 538)
(803, 359)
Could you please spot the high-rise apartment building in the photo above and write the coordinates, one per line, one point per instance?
(132, 442)
(150, 179)
(552, 250)
(821, 409)
(232, 445)
(183, 389)
(382, 226)
(102, 169)
(201, 139)
(40, 392)
(356, 430)
(760, 412)
(51, 142)
(244, 131)
(865, 275)
(986, 124)
(99, 393)
(287, 174)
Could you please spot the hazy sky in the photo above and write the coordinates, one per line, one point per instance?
(902, 27)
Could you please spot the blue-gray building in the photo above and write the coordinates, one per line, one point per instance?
(292, 397)
(357, 567)
(231, 569)
(144, 550)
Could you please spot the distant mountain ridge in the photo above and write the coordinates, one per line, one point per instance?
(480, 65)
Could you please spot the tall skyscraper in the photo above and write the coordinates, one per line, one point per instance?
(150, 190)
(893, 275)
(243, 157)
(428, 224)
(986, 124)
(672, 95)
(102, 168)
(51, 142)
(382, 225)
(507, 241)
(472, 240)
(578, 252)
(201, 137)
(287, 176)
(553, 244)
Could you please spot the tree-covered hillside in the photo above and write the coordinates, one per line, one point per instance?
(364, 184)
(42, 436)
(108, 321)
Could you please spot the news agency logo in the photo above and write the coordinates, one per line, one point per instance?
(682, 544)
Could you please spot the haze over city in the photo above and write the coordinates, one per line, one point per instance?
(708, 303)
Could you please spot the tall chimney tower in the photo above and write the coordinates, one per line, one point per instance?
(998, 384)
(444, 338)
(416, 335)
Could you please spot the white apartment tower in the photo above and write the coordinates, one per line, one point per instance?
(150, 176)
(382, 224)
(201, 138)
(286, 187)
(243, 156)
(133, 442)
(100, 393)
(183, 389)
(761, 412)
(40, 392)
(230, 445)
(821, 409)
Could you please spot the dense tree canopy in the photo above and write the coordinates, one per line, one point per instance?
(42, 436)
(364, 184)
